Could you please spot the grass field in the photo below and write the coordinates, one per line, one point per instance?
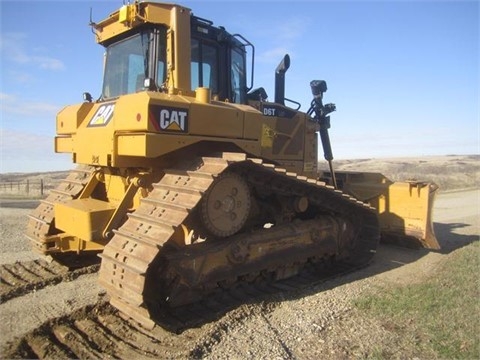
(441, 316)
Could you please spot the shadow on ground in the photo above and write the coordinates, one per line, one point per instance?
(388, 257)
(450, 240)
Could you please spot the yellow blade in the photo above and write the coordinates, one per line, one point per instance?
(405, 214)
(404, 208)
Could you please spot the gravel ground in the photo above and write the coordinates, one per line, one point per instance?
(318, 323)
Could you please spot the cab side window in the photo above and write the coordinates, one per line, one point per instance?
(204, 66)
(237, 80)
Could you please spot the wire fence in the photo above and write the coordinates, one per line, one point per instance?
(26, 188)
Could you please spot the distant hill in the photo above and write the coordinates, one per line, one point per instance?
(449, 172)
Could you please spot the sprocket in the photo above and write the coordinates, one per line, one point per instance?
(225, 208)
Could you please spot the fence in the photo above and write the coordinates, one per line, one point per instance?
(25, 188)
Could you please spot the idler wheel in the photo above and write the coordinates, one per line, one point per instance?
(225, 207)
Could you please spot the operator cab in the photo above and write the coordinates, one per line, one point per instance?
(136, 61)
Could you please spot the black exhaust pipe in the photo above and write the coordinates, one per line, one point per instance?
(280, 79)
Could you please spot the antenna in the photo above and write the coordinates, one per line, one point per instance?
(92, 24)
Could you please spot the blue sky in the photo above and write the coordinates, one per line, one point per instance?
(403, 74)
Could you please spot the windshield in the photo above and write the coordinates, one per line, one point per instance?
(127, 64)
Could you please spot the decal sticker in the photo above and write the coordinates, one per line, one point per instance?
(278, 111)
(170, 119)
(269, 111)
(103, 115)
(267, 136)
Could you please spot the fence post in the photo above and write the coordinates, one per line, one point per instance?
(41, 187)
(28, 187)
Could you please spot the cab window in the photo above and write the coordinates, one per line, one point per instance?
(237, 81)
(204, 66)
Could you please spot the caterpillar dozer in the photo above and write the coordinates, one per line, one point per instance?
(189, 180)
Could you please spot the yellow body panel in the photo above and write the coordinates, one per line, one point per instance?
(126, 13)
(63, 144)
(115, 187)
(68, 243)
(93, 146)
(134, 144)
(131, 129)
(69, 118)
(152, 146)
(83, 218)
(125, 18)
(216, 121)
(134, 112)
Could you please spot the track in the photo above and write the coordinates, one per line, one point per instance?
(133, 266)
(23, 277)
(41, 223)
(132, 261)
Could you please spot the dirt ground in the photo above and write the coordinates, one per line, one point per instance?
(313, 322)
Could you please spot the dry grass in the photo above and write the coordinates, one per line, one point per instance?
(29, 185)
(449, 172)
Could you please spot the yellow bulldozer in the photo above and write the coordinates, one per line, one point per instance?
(188, 179)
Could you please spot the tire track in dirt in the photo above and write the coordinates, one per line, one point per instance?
(20, 278)
(98, 330)
(37, 307)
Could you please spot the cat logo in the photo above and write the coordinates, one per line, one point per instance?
(173, 119)
(102, 116)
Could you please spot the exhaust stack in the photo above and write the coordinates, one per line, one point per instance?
(280, 79)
